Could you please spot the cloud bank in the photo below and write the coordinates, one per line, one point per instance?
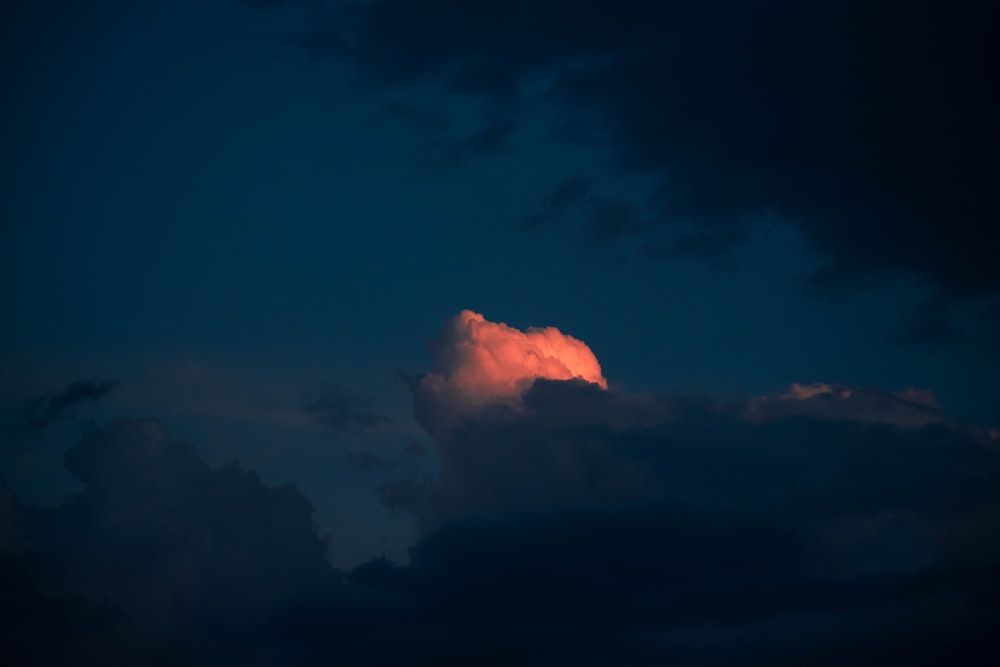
(569, 524)
(868, 127)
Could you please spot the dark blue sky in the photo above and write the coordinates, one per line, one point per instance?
(250, 217)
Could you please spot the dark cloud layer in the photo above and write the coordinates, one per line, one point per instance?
(170, 540)
(340, 411)
(490, 139)
(580, 526)
(43, 410)
(868, 126)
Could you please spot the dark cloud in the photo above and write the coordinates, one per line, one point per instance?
(272, 4)
(414, 449)
(585, 527)
(566, 195)
(591, 527)
(342, 412)
(868, 126)
(368, 461)
(8, 524)
(43, 410)
(697, 244)
(575, 445)
(647, 587)
(411, 117)
(491, 139)
(935, 330)
(909, 408)
(612, 219)
(170, 541)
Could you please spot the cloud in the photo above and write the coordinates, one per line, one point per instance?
(47, 408)
(911, 407)
(936, 330)
(342, 412)
(574, 445)
(368, 461)
(586, 527)
(645, 587)
(568, 523)
(613, 219)
(410, 117)
(478, 362)
(8, 525)
(170, 541)
(866, 127)
(491, 139)
(566, 195)
(594, 527)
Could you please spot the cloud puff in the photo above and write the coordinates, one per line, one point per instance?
(478, 362)
(43, 410)
(343, 412)
(911, 407)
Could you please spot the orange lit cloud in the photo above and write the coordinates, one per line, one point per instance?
(479, 361)
(911, 407)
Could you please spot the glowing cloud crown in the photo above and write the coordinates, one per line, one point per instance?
(478, 360)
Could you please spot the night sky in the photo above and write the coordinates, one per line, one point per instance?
(433, 332)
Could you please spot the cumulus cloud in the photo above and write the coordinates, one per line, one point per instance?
(569, 523)
(585, 527)
(518, 432)
(910, 407)
(478, 362)
(682, 530)
(574, 445)
(170, 541)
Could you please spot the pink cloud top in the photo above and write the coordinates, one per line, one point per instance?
(478, 360)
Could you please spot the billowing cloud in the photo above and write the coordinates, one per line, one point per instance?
(516, 432)
(162, 536)
(690, 531)
(478, 362)
(586, 527)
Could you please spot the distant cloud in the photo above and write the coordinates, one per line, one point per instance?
(491, 139)
(936, 330)
(410, 116)
(613, 219)
(47, 408)
(368, 461)
(170, 540)
(879, 162)
(566, 195)
(340, 411)
(911, 407)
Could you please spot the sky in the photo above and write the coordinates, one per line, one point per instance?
(477, 321)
